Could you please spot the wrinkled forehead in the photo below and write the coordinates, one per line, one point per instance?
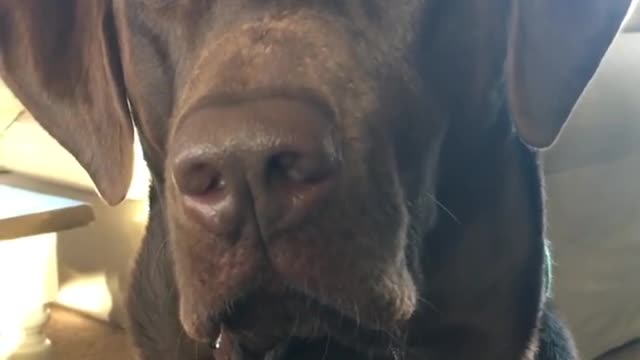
(176, 29)
(190, 17)
(164, 41)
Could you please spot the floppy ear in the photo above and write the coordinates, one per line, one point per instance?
(555, 48)
(60, 59)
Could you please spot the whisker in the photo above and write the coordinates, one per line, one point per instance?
(356, 309)
(326, 349)
(294, 328)
(446, 210)
(181, 336)
(431, 305)
(159, 251)
(394, 353)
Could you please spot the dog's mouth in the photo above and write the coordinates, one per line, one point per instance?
(264, 322)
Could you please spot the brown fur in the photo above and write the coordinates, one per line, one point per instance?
(429, 244)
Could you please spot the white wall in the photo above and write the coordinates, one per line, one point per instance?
(593, 188)
(633, 20)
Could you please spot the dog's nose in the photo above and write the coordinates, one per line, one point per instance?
(273, 159)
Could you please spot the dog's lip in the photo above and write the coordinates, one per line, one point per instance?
(360, 338)
(248, 342)
(330, 322)
(238, 325)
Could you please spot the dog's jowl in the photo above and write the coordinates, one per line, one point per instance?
(339, 179)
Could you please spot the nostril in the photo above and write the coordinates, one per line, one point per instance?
(198, 178)
(208, 197)
(292, 167)
(206, 179)
(266, 162)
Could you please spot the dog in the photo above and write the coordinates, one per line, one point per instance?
(330, 179)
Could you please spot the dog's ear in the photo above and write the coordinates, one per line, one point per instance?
(555, 47)
(60, 58)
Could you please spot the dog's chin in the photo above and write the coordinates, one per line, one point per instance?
(267, 317)
(260, 322)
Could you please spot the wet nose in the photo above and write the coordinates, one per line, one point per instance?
(274, 159)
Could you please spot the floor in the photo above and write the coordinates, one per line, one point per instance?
(76, 337)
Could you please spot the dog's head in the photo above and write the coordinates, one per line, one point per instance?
(295, 143)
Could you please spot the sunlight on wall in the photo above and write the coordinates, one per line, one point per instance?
(141, 214)
(89, 294)
(139, 187)
(28, 281)
(632, 21)
(9, 106)
(27, 148)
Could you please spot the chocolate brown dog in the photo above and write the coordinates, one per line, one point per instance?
(338, 179)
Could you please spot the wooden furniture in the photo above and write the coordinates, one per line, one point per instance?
(29, 222)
